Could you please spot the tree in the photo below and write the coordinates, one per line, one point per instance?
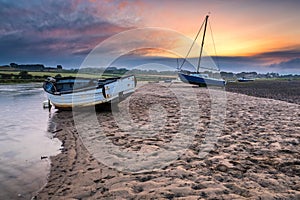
(58, 76)
(13, 65)
(59, 67)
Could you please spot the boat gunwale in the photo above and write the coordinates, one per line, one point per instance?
(114, 79)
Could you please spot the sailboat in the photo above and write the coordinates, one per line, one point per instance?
(198, 78)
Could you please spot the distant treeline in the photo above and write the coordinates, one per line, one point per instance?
(40, 72)
(30, 67)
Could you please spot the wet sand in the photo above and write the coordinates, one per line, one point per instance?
(284, 90)
(256, 155)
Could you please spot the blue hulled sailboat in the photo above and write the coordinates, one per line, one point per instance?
(198, 78)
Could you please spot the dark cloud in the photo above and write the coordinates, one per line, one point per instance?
(39, 30)
(279, 61)
(238, 63)
(291, 64)
(288, 53)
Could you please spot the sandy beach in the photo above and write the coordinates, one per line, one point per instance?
(255, 155)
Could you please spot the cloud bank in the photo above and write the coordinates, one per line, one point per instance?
(53, 31)
(64, 31)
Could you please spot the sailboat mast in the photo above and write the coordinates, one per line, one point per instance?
(202, 44)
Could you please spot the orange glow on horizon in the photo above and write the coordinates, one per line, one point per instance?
(239, 28)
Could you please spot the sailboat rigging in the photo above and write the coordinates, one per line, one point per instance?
(198, 78)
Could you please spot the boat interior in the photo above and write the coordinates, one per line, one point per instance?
(69, 85)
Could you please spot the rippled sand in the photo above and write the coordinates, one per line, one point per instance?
(179, 155)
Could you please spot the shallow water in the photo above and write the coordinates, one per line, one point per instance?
(24, 138)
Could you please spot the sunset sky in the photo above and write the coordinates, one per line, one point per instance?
(250, 35)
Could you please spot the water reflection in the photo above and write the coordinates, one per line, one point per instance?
(23, 140)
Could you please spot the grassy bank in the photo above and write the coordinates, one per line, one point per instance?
(10, 77)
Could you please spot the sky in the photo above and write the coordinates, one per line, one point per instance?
(256, 35)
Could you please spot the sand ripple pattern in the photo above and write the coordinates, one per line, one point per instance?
(256, 157)
(152, 128)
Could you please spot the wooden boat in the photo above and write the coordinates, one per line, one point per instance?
(68, 92)
(198, 78)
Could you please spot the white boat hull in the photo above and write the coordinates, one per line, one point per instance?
(112, 91)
